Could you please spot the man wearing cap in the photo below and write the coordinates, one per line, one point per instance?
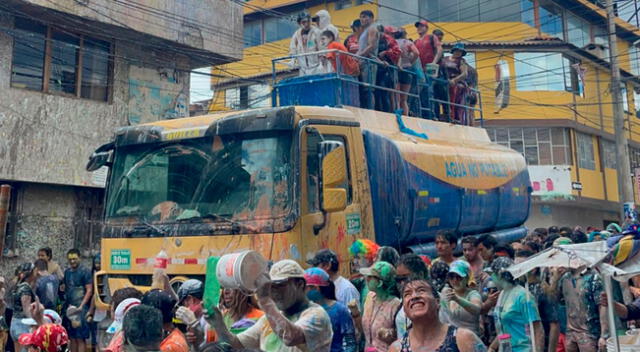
(291, 322)
(351, 43)
(327, 260)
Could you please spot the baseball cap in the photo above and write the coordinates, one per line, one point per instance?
(284, 270)
(461, 268)
(50, 317)
(323, 256)
(316, 277)
(48, 337)
(422, 23)
(121, 311)
(191, 287)
(562, 240)
(381, 270)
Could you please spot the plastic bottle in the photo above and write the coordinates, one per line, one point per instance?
(504, 343)
(159, 268)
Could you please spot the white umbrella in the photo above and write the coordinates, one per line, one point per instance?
(567, 255)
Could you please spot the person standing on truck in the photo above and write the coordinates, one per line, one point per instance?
(471, 255)
(78, 291)
(351, 43)
(291, 322)
(327, 260)
(52, 267)
(368, 48)
(348, 64)
(456, 70)
(446, 243)
(304, 41)
(408, 56)
(430, 49)
(380, 307)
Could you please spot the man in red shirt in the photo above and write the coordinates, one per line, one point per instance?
(430, 50)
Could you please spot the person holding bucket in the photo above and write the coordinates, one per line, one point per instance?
(291, 322)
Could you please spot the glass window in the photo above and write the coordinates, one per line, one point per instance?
(540, 71)
(609, 154)
(601, 36)
(586, 158)
(634, 56)
(313, 170)
(277, 28)
(578, 30)
(64, 59)
(253, 33)
(634, 155)
(77, 65)
(636, 102)
(28, 55)
(95, 69)
(540, 146)
(232, 98)
(625, 98)
(227, 178)
(343, 4)
(259, 96)
(551, 19)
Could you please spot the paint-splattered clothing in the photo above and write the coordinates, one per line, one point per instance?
(343, 330)
(514, 312)
(378, 315)
(314, 322)
(581, 295)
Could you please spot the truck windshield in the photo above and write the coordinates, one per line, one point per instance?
(237, 177)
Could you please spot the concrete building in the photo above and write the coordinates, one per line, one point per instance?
(554, 57)
(73, 71)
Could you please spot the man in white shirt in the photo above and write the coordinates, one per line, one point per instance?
(327, 260)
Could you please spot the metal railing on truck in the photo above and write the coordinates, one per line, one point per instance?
(339, 85)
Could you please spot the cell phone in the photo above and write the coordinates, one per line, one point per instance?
(492, 289)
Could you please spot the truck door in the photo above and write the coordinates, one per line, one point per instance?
(335, 230)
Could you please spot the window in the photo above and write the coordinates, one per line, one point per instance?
(276, 28)
(586, 158)
(550, 17)
(252, 33)
(634, 155)
(70, 64)
(634, 57)
(246, 97)
(343, 4)
(625, 99)
(472, 10)
(601, 36)
(636, 102)
(578, 30)
(269, 29)
(543, 72)
(609, 154)
(540, 146)
(313, 170)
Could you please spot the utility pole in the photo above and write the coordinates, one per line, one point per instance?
(625, 186)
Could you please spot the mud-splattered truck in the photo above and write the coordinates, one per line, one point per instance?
(287, 181)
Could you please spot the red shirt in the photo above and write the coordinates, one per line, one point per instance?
(427, 52)
(351, 43)
(348, 64)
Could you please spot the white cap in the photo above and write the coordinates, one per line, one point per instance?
(50, 317)
(120, 312)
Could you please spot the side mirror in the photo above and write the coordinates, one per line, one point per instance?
(98, 160)
(333, 176)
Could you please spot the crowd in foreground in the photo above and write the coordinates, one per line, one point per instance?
(465, 302)
(384, 57)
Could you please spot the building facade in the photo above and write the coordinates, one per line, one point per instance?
(552, 57)
(71, 72)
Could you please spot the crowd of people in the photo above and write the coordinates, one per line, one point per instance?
(396, 72)
(463, 300)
